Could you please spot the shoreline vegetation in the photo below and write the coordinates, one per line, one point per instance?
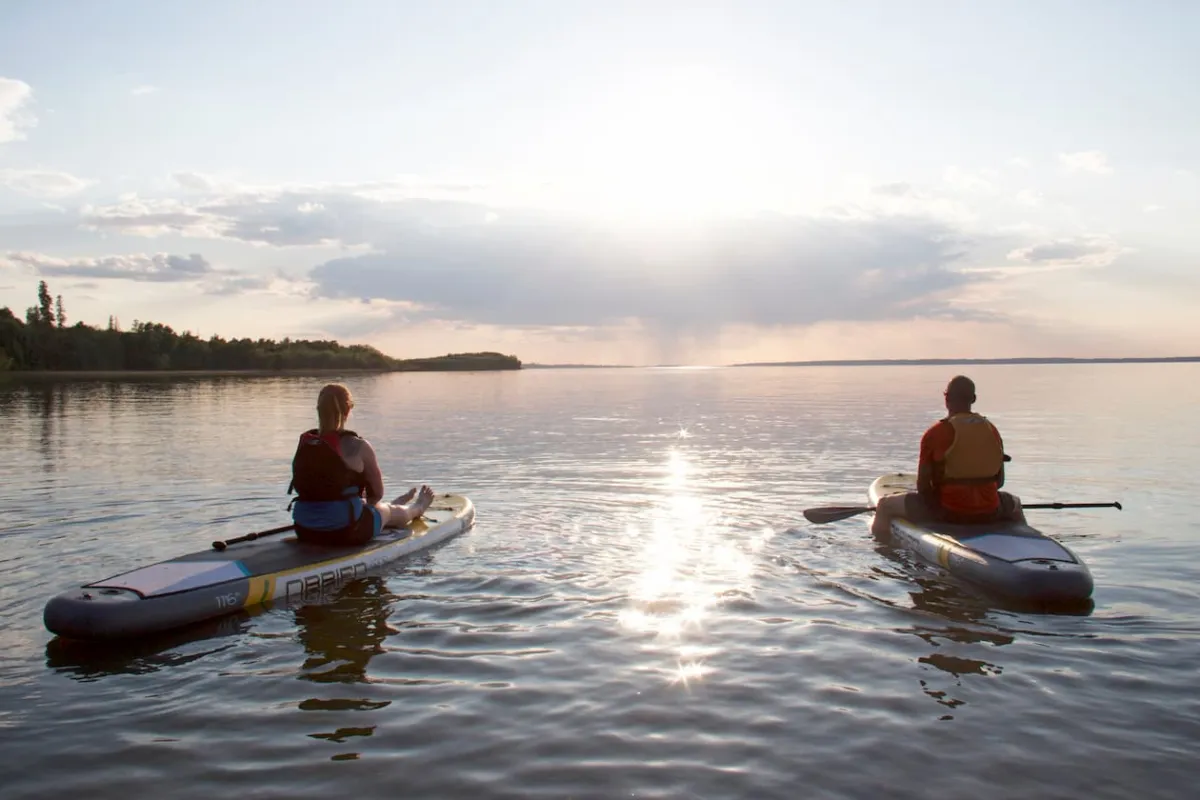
(44, 346)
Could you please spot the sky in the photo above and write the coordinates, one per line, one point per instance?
(612, 182)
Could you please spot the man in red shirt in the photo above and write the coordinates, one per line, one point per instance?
(960, 470)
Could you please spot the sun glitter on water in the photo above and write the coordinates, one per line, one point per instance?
(685, 566)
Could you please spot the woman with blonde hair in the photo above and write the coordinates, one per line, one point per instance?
(338, 483)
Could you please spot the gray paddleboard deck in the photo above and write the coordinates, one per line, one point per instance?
(210, 583)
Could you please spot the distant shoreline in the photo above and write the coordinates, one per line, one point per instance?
(460, 367)
(314, 372)
(899, 362)
(578, 366)
(945, 362)
(187, 373)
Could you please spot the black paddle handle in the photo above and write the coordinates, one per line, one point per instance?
(250, 537)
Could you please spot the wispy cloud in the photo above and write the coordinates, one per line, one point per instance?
(156, 267)
(136, 217)
(193, 181)
(15, 116)
(42, 183)
(981, 181)
(1092, 251)
(283, 218)
(1093, 161)
(145, 89)
(897, 189)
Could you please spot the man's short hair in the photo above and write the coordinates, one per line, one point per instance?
(961, 387)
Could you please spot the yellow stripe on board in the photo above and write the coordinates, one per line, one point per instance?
(259, 591)
(262, 586)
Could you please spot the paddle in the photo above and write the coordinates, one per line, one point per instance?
(250, 537)
(834, 513)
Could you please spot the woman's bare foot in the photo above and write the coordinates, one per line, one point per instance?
(404, 498)
(424, 500)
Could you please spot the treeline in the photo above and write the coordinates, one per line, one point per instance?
(44, 341)
(460, 361)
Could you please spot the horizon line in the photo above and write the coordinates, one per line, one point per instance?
(866, 362)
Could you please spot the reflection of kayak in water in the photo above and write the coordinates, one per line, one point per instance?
(213, 583)
(1010, 559)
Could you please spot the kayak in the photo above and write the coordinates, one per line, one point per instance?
(1005, 558)
(216, 582)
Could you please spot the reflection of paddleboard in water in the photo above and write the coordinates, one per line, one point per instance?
(1006, 558)
(341, 635)
(84, 659)
(213, 583)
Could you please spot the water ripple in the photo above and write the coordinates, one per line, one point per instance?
(640, 610)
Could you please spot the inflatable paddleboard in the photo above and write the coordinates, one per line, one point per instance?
(212, 583)
(1007, 558)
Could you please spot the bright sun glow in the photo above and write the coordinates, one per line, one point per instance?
(672, 146)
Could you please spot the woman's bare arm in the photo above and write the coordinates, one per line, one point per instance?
(371, 472)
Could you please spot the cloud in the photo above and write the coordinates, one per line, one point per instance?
(287, 218)
(1094, 251)
(157, 267)
(899, 254)
(978, 181)
(1085, 161)
(42, 183)
(150, 218)
(139, 91)
(898, 189)
(1019, 163)
(1153, 208)
(14, 116)
(192, 180)
(772, 270)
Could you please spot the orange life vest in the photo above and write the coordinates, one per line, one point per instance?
(976, 456)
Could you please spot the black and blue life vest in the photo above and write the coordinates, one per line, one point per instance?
(320, 474)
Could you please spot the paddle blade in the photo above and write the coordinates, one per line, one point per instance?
(833, 513)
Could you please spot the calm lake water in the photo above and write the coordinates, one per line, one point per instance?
(640, 610)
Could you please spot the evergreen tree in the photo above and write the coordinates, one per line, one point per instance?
(45, 310)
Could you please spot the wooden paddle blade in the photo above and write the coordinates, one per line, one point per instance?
(834, 513)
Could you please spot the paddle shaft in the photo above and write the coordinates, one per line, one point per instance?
(826, 514)
(250, 537)
(1072, 505)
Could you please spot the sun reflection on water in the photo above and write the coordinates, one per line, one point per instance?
(688, 564)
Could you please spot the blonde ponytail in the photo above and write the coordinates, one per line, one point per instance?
(333, 406)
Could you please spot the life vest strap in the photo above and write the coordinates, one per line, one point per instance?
(968, 481)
